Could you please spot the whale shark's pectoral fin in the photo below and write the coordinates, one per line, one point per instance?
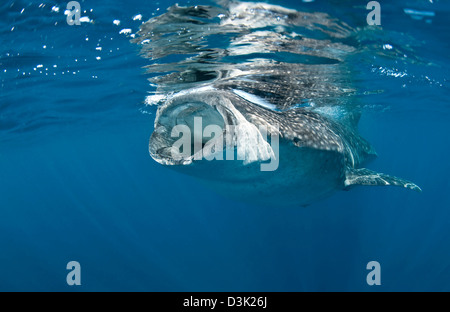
(368, 177)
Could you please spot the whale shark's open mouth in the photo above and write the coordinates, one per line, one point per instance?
(188, 119)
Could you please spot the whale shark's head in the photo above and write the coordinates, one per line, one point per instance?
(208, 124)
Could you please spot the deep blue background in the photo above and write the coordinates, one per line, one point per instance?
(77, 183)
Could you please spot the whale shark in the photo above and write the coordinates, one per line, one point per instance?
(274, 85)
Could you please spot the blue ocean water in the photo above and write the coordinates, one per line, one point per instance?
(77, 182)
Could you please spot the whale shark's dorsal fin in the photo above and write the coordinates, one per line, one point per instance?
(368, 177)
